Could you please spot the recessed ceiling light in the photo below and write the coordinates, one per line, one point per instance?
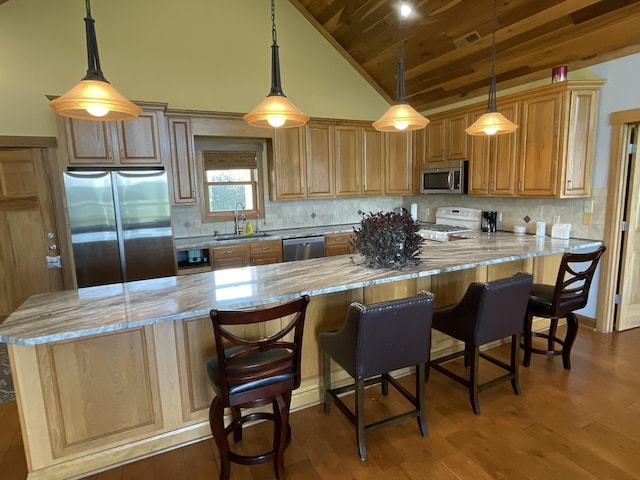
(405, 10)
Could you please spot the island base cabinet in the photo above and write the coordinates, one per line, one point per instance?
(92, 403)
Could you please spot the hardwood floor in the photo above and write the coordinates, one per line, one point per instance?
(578, 424)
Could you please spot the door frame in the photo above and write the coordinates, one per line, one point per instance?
(48, 147)
(616, 191)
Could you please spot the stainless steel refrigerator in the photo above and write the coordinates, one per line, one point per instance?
(120, 225)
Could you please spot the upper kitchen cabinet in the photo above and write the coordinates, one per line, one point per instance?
(302, 165)
(492, 159)
(399, 163)
(182, 160)
(359, 160)
(133, 142)
(557, 139)
(444, 139)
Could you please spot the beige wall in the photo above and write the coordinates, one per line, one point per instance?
(194, 54)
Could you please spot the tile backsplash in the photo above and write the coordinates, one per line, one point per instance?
(318, 212)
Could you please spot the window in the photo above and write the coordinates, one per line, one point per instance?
(232, 178)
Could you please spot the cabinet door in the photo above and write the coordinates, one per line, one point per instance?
(89, 142)
(337, 244)
(457, 140)
(182, 161)
(348, 158)
(479, 160)
(138, 140)
(580, 139)
(436, 134)
(230, 256)
(372, 162)
(399, 163)
(266, 252)
(287, 168)
(319, 160)
(539, 146)
(503, 160)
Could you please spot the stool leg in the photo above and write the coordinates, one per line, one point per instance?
(572, 333)
(384, 384)
(237, 431)
(326, 381)
(281, 406)
(360, 432)
(473, 380)
(216, 421)
(422, 424)
(553, 327)
(515, 361)
(526, 361)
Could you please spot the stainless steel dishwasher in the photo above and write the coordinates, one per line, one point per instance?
(302, 248)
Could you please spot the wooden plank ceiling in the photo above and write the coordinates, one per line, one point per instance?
(447, 43)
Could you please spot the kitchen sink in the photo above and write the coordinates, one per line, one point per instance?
(239, 236)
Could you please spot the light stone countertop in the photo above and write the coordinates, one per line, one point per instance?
(89, 311)
(210, 240)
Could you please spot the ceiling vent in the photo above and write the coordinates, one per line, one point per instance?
(468, 39)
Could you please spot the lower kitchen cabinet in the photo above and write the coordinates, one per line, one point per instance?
(337, 244)
(265, 252)
(230, 256)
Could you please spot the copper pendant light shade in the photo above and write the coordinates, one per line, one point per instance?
(94, 98)
(275, 111)
(492, 122)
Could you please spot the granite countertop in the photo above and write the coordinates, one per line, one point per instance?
(69, 314)
(210, 240)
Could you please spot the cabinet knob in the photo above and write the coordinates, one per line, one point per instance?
(520, 186)
(569, 184)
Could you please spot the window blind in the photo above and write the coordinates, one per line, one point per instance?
(229, 160)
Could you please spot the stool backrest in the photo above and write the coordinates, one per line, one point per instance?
(500, 307)
(574, 281)
(277, 355)
(391, 335)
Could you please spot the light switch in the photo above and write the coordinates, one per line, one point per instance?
(588, 206)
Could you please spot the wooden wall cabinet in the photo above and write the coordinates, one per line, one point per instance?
(359, 160)
(399, 163)
(493, 168)
(182, 160)
(444, 139)
(319, 160)
(135, 142)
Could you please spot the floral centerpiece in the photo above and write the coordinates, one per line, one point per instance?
(388, 240)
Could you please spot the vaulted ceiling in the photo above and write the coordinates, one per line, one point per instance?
(447, 43)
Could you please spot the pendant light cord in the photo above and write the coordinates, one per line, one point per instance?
(276, 82)
(400, 92)
(492, 106)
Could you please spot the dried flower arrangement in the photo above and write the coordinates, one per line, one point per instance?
(388, 240)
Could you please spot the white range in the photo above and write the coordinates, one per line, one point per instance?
(451, 221)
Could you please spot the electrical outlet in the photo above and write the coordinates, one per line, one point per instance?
(556, 219)
(588, 206)
(586, 218)
(198, 223)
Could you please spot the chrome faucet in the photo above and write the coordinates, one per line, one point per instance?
(235, 216)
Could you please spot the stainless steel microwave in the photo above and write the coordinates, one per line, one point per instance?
(444, 177)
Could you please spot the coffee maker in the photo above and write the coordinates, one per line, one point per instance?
(489, 221)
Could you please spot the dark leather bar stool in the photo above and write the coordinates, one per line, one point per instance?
(250, 373)
(570, 293)
(486, 313)
(375, 340)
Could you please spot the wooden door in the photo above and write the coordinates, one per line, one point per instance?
(320, 160)
(539, 146)
(372, 162)
(348, 157)
(628, 310)
(399, 165)
(26, 219)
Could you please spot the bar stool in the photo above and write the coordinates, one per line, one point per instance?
(375, 340)
(486, 313)
(554, 302)
(250, 373)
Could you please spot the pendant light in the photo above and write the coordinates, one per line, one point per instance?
(94, 98)
(492, 122)
(400, 117)
(276, 110)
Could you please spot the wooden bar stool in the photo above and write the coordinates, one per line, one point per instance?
(570, 293)
(486, 313)
(250, 373)
(375, 340)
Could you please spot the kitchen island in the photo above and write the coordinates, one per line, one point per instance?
(108, 374)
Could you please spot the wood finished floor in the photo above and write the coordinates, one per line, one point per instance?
(578, 424)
